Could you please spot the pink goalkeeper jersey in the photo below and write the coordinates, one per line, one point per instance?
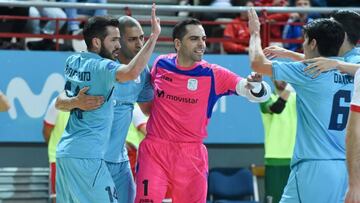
(184, 98)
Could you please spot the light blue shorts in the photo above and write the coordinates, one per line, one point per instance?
(320, 181)
(84, 180)
(124, 181)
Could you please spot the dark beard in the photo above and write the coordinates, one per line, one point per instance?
(105, 54)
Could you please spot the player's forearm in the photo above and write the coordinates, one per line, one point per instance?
(132, 70)
(65, 103)
(353, 150)
(295, 56)
(278, 106)
(349, 68)
(145, 107)
(142, 129)
(256, 54)
(47, 133)
(4, 103)
(258, 60)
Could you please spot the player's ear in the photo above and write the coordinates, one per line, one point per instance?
(313, 44)
(96, 42)
(177, 44)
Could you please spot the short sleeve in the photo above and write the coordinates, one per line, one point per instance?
(110, 68)
(225, 80)
(147, 92)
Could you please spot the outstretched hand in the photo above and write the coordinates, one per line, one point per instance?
(272, 52)
(155, 22)
(319, 65)
(254, 23)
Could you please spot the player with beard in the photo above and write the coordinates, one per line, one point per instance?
(82, 175)
(186, 88)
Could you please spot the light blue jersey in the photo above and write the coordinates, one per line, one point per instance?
(124, 97)
(87, 132)
(352, 56)
(322, 105)
(323, 109)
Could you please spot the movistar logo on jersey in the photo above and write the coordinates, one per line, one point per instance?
(162, 94)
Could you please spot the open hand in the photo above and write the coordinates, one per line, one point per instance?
(254, 23)
(319, 65)
(87, 102)
(155, 22)
(272, 52)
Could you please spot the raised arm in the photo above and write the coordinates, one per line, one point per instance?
(132, 70)
(258, 60)
(4, 103)
(81, 101)
(321, 64)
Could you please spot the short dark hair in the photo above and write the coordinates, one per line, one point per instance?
(180, 31)
(350, 20)
(96, 27)
(329, 35)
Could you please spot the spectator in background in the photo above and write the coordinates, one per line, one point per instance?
(49, 28)
(295, 31)
(238, 31)
(4, 103)
(277, 112)
(275, 30)
(214, 30)
(72, 13)
(343, 3)
(13, 26)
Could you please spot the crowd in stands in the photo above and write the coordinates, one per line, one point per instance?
(286, 26)
(35, 25)
(235, 35)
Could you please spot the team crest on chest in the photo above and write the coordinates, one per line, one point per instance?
(192, 84)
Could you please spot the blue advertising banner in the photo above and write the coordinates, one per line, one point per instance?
(31, 80)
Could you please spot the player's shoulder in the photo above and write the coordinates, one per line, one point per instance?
(73, 57)
(212, 66)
